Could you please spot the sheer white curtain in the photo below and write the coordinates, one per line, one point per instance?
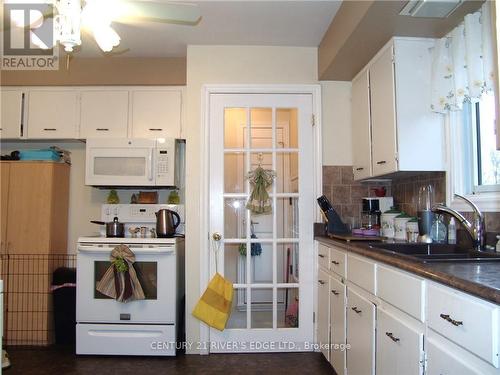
(463, 62)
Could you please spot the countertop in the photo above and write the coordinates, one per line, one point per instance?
(481, 279)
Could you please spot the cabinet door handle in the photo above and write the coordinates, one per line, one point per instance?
(321, 282)
(359, 169)
(355, 309)
(446, 317)
(335, 293)
(155, 129)
(321, 255)
(381, 162)
(335, 262)
(50, 129)
(391, 336)
(102, 129)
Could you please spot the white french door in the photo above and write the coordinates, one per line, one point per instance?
(268, 258)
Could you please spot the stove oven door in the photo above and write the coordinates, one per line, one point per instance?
(156, 269)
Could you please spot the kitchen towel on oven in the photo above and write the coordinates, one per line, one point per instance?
(120, 280)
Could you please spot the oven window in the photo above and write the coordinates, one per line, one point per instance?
(120, 166)
(146, 273)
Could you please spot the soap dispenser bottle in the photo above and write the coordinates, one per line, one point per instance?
(438, 230)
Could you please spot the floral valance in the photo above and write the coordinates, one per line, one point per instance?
(463, 63)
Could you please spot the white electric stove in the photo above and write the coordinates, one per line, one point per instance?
(145, 327)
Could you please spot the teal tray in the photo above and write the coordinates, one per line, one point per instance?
(39, 155)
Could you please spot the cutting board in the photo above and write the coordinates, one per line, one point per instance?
(351, 237)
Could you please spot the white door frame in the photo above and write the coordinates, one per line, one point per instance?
(315, 91)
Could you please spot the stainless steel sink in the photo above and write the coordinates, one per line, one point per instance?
(437, 252)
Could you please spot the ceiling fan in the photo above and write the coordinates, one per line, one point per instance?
(70, 17)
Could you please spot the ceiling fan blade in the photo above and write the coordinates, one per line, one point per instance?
(170, 12)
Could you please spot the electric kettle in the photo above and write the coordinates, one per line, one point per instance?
(167, 222)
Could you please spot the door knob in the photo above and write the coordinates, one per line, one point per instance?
(216, 236)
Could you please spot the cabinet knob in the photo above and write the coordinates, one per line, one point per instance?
(359, 169)
(50, 129)
(321, 282)
(321, 255)
(356, 310)
(102, 129)
(391, 336)
(335, 262)
(155, 129)
(335, 293)
(381, 162)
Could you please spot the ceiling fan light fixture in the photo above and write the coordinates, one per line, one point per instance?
(106, 38)
(67, 23)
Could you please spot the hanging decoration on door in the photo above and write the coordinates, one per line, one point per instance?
(120, 280)
(261, 179)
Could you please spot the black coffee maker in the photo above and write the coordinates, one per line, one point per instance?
(370, 214)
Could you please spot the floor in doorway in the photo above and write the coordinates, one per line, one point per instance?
(62, 361)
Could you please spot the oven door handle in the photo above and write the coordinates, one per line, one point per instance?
(135, 250)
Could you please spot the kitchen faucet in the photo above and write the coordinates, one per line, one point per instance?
(476, 229)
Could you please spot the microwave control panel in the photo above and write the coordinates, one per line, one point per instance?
(164, 166)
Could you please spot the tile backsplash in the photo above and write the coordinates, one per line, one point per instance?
(346, 194)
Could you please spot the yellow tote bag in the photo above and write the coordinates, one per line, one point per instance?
(214, 306)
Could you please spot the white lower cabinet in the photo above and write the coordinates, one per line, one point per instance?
(399, 346)
(323, 325)
(337, 325)
(360, 334)
(442, 361)
(396, 323)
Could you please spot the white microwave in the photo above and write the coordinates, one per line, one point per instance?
(133, 162)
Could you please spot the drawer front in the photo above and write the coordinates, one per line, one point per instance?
(399, 346)
(409, 295)
(338, 261)
(323, 256)
(362, 273)
(125, 339)
(469, 322)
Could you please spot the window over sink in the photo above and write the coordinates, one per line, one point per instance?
(474, 159)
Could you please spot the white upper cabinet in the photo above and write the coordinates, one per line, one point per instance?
(382, 94)
(12, 113)
(53, 114)
(156, 113)
(104, 114)
(361, 129)
(405, 134)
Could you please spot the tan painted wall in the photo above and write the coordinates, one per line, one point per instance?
(336, 125)
(104, 71)
(226, 65)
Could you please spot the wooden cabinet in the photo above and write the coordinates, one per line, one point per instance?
(104, 114)
(399, 345)
(11, 113)
(361, 126)
(4, 202)
(35, 199)
(156, 113)
(53, 114)
(360, 334)
(37, 209)
(323, 325)
(403, 133)
(337, 325)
